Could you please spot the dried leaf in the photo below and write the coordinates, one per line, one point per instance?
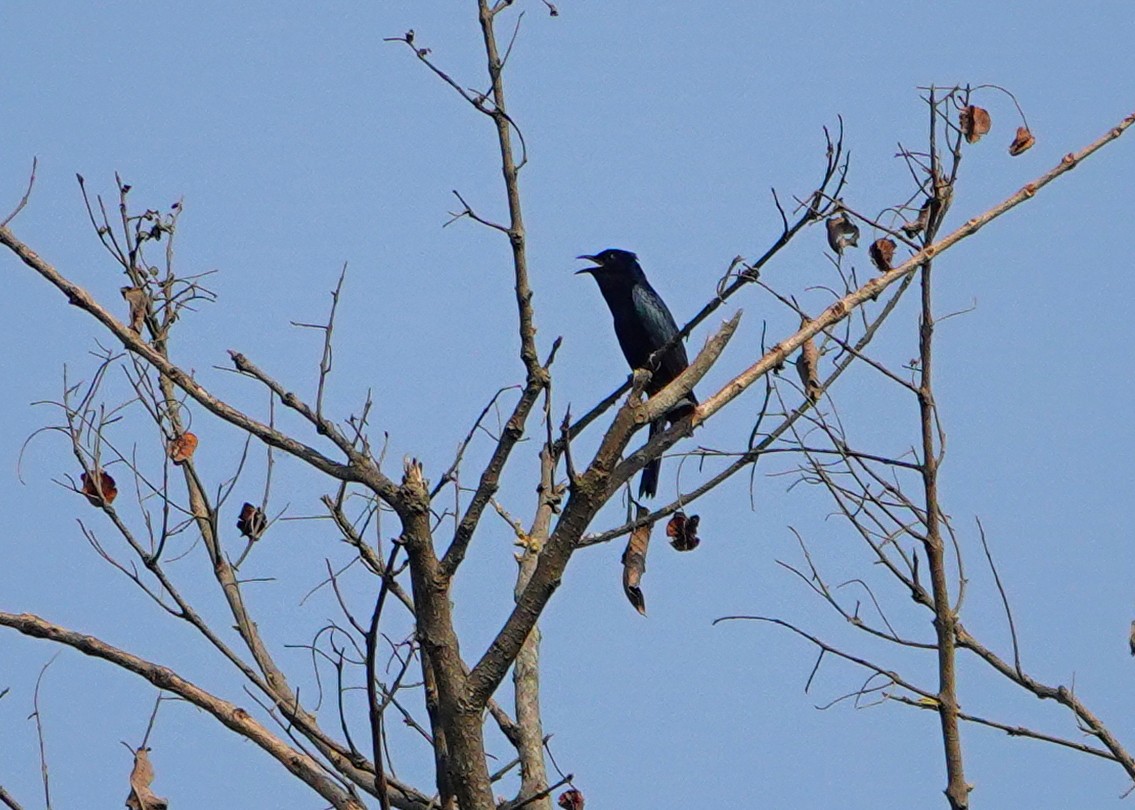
(808, 367)
(842, 232)
(917, 226)
(634, 564)
(141, 777)
(571, 799)
(104, 492)
(1131, 639)
(181, 449)
(683, 531)
(975, 122)
(136, 298)
(252, 522)
(1022, 143)
(882, 251)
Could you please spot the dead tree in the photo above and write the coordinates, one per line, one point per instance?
(411, 530)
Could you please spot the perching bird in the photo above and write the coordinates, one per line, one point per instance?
(643, 325)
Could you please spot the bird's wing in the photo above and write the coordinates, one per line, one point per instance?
(660, 329)
(656, 318)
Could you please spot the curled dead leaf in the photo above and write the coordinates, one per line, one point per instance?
(252, 521)
(683, 531)
(975, 122)
(571, 799)
(634, 564)
(99, 489)
(181, 449)
(141, 777)
(1022, 143)
(808, 367)
(136, 298)
(918, 225)
(842, 232)
(882, 251)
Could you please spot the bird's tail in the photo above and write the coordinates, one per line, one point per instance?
(648, 481)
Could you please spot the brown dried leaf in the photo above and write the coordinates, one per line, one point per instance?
(683, 531)
(975, 122)
(808, 367)
(136, 298)
(842, 232)
(571, 799)
(252, 522)
(104, 492)
(882, 251)
(917, 226)
(141, 777)
(1022, 143)
(634, 564)
(181, 449)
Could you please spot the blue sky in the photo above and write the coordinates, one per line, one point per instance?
(299, 140)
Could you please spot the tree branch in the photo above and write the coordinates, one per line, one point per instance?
(359, 469)
(230, 715)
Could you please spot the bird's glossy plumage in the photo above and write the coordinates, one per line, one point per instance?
(643, 325)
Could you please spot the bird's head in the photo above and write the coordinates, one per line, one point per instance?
(612, 263)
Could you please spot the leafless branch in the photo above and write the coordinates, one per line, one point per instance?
(27, 195)
(232, 716)
(9, 801)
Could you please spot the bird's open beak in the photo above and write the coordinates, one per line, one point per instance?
(588, 269)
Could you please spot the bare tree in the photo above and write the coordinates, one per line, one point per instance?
(402, 647)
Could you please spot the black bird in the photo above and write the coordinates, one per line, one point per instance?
(643, 325)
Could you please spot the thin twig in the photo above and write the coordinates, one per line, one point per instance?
(27, 195)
